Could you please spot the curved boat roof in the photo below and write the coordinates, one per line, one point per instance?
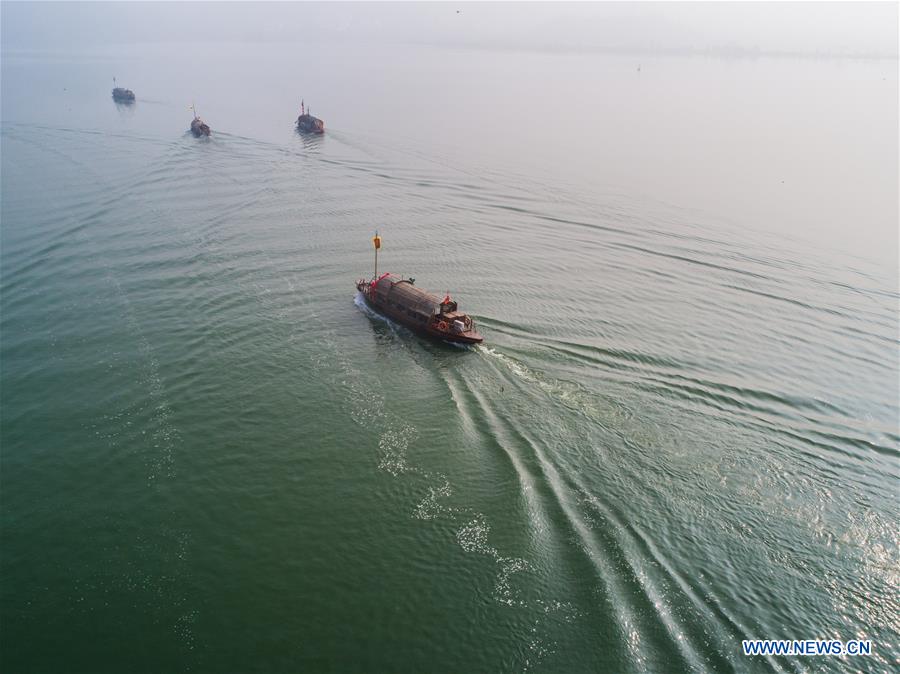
(395, 289)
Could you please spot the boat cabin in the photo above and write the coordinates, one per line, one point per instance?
(447, 306)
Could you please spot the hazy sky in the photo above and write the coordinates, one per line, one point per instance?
(806, 27)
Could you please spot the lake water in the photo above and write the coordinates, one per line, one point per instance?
(680, 432)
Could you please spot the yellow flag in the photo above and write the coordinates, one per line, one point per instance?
(377, 241)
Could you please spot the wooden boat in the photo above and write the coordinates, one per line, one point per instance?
(400, 300)
(121, 95)
(306, 123)
(198, 126)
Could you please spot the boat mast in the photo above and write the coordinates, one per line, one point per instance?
(376, 241)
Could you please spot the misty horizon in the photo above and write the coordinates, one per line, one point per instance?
(741, 29)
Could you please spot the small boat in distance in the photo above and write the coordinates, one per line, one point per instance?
(121, 95)
(400, 300)
(198, 126)
(306, 123)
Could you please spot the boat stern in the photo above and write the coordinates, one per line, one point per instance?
(456, 327)
(469, 337)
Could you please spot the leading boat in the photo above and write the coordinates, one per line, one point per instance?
(400, 300)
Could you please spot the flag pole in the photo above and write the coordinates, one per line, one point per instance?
(376, 254)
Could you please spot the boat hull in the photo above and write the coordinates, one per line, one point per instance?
(469, 337)
(123, 95)
(199, 129)
(310, 124)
